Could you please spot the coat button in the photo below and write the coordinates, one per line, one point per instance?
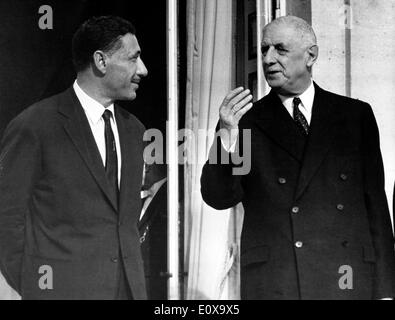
(340, 207)
(115, 260)
(343, 176)
(345, 244)
(298, 244)
(295, 210)
(282, 180)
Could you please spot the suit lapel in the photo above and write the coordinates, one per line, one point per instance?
(77, 127)
(276, 122)
(322, 130)
(130, 151)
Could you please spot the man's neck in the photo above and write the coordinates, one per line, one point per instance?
(93, 89)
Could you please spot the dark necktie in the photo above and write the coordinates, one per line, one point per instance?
(111, 154)
(299, 118)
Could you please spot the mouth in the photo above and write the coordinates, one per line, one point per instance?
(272, 72)
(136, 83)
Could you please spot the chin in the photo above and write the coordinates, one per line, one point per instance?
(133, 95)
(129, 97)
(275, 84)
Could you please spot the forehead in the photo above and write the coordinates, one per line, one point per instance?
(130, 45)
(280, 33)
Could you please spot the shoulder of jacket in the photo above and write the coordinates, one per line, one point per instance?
(130, 118)
(37, 114)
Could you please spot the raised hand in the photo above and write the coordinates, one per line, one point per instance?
(234, 107)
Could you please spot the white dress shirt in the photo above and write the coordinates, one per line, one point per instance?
(94, 112)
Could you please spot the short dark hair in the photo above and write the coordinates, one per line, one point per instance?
(98, 33)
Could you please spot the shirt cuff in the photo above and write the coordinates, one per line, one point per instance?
(229, 139)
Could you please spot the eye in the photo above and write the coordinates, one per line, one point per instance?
(264, 49)
(281, 50)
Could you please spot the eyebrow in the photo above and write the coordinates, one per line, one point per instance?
(282, 44)
(135, 55)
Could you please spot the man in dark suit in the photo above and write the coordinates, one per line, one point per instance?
(153, 230)
(70, 186)
(316, 223)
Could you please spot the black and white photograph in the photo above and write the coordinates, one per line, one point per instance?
(197, 150)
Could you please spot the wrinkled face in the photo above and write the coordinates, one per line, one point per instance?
(124, 70)
(285, 59)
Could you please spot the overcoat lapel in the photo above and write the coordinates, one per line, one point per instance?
(277, 123)
(77, 127)
(322, 130)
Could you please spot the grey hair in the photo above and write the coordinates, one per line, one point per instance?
(301, 26)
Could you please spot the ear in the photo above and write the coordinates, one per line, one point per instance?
(312, 55)
(100, 61)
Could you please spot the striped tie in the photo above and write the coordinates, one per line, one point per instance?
(299, 118)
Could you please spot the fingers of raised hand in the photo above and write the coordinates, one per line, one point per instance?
(232, 95)
(240, 113)
(234, 106)
(243, 100)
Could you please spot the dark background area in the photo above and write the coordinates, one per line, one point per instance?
(36, 63)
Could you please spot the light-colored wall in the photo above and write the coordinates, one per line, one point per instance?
(329, 71)
(372, 62)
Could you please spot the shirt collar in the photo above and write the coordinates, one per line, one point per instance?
(306, 97)
(93, 109)
(153, 190)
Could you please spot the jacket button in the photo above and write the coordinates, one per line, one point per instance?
(340, 207)
(343, 176)
(282, 180)
(295, 210)
(115, 260)
(345, 244)
(298, 244)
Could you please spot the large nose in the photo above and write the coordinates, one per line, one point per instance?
(141, 69)
(269, 57)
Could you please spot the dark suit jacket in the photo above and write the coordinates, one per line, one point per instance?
(56, 207)
(326, 193)
(153, 232)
